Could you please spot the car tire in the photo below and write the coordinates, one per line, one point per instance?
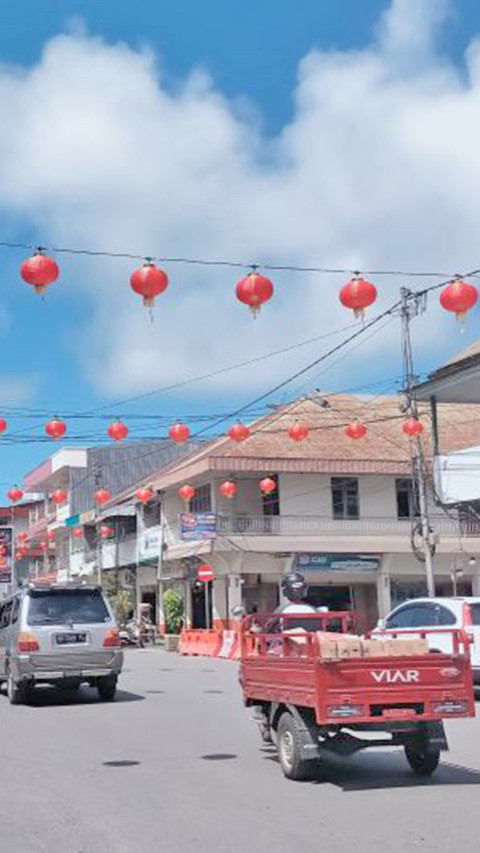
(107, 688)
(422, 762)
(16, 692)
(289, 747)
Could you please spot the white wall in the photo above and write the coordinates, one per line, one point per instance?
(310, 494)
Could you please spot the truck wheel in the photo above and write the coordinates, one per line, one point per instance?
(15, 691)
(289, 747)
(107, 687)
(265, 733)
(423, 763)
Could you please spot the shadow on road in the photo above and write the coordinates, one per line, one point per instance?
(376, 772)
(47, 697)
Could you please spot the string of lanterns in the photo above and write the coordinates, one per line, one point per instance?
(254, 290)
(180, 433)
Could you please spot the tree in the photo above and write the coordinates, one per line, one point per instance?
(173, 605)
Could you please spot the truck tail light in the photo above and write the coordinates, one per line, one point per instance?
(27, 642)
(451, 706)
(112, 638)
(344, 711)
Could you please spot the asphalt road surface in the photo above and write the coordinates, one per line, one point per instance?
(175, 765)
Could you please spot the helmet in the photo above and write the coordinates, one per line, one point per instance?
(294, 586)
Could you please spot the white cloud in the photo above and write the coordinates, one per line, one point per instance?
(378, 169)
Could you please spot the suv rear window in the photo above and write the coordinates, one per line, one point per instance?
(60, 607)
(475, 611)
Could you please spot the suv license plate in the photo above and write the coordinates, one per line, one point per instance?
(71, 638)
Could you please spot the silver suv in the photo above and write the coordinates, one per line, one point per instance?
(60, 634)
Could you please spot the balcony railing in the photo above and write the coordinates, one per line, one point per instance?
(313, 525)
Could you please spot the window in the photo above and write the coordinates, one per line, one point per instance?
(421, 616)
(345, 497)
(407, 498)
(475, 611)
(271, 502)
(60, 607)
(151, 515)
(15, 610)
(202, 502)
(127, 526)
(5, 617)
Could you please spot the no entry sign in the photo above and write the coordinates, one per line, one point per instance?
(205, 574)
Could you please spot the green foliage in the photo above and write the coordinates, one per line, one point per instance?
(121, 601)
(173, 608)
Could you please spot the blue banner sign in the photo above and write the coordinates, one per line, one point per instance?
(338, 562)
(197, 525)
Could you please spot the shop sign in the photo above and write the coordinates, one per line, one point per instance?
(197, 525)
(6, 540)
(72, 521)
(149, 544)
(338, 562)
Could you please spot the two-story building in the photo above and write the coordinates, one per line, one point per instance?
(344, 511)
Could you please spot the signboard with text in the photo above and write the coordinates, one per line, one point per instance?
(6, 557)
(197, 525)
(338, 562)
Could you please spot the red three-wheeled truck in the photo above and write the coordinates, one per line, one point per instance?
(315, 686)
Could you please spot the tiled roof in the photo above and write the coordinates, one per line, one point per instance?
(467, 353)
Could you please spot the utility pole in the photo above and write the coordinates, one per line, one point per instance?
(411, 306)
(97, 477)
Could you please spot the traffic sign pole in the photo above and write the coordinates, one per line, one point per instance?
(207, 607)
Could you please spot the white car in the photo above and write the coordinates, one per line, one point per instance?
(422, 614)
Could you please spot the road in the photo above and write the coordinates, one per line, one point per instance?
(175, 765)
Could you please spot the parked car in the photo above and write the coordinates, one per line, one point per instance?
(59, 634)
(428, 613)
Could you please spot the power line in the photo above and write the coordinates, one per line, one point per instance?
(211, 262)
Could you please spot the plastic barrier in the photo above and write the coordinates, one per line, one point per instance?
(200, 642)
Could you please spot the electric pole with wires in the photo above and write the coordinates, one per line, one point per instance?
(413, 304)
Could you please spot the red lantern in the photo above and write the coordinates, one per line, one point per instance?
(267, 485)
(39, 271)
(239, 432)
(298, 432)
(15, 494)
(412, 427)
(459, 297)
(358, 294)
(59, 496)
(102, 496)
(56, 428)
(356, 430)
(144, 495)
(229, 489)
(106, 531)
(3, 425)
(3, 550)
(186, 492)
(50, 534)
(254, 290)
(149, 282)
(118, 431)
(179, 433)
(21, 553)
(78, 532)
(22, 537)
(43, 545)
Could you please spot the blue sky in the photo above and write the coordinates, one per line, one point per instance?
(241, 93)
